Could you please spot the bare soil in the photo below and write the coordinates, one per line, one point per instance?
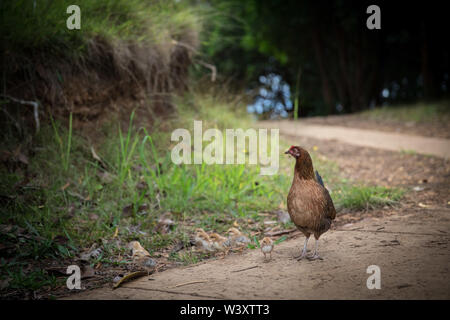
(411, 251)
(436, 128)
(408, 242)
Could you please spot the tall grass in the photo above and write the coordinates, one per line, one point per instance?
(419, 112)
(64, 147)
(42, 24)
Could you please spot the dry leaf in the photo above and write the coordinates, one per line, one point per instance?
(96, 157)
(129, 277)
(64, 187)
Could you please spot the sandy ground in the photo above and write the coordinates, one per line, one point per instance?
(408, 243)
(365, 138)
(411, 251)
(437, 128)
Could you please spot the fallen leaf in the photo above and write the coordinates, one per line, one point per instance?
(64, 187)
(129, 277)
(96, 157)
(116, 232)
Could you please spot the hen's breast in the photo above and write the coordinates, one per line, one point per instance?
(307, 206)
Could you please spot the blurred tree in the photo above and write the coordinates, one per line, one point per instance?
(345, 66)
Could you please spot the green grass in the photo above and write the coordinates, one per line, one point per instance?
(420, 112)
(42, 24)
(366, 197)
(66, 193)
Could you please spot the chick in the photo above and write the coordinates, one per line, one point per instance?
(203, 240)
(141, 257)
(237, 238)
(267, 247)
(219, 242)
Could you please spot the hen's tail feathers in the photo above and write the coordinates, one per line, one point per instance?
(319, 179)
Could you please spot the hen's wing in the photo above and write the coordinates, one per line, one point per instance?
(329, 206)
(330, 210)
(319, 179)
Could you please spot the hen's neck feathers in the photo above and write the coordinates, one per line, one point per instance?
(303, 169)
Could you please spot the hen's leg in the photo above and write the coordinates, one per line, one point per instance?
(315, 255)
(304, 250)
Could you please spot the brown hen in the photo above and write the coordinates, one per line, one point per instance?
(309, 203)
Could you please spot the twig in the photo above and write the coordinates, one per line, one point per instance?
(186, 283)
(279, 233)
(211, 67)
(34, 104)
(245, 269)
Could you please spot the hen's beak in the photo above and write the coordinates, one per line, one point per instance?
(287, 152)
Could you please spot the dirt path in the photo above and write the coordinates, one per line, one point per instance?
(409, 243)
(413, 257)
(366, 138)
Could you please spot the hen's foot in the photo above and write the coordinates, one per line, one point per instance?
(301, 256)
(314, 257)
